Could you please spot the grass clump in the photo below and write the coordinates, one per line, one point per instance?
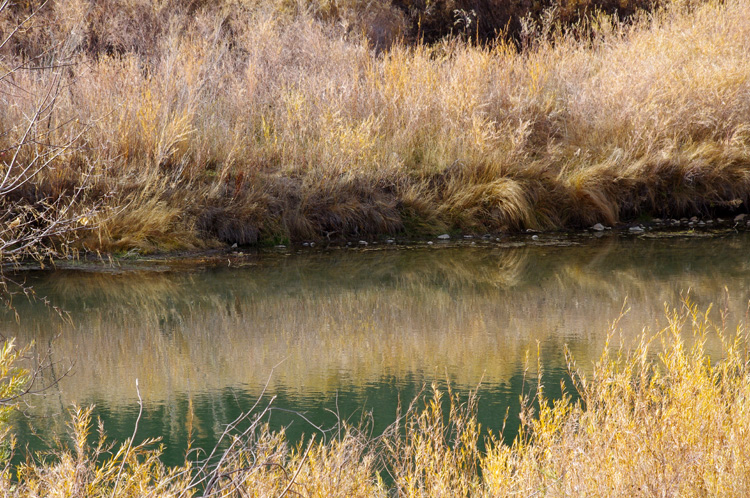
(101, 470)
(662, 419)
(659, 418)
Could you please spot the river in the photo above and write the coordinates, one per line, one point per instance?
(348, 332)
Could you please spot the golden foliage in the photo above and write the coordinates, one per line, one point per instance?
(244, 121)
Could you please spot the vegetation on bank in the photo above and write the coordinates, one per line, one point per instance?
(659, 418)
(161, 125)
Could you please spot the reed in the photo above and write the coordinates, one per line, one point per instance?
(193, 123)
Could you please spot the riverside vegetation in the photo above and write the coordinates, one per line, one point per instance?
(176, 124)
(180, 124)
(658, 418)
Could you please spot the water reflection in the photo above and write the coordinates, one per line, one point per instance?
(354, 329)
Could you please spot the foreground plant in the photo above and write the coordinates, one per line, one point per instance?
(103, 470)
(659, 418)
(662, 419)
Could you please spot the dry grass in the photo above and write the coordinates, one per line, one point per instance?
(659, 418)
(98, 470)
(242, 122)
(662, 419)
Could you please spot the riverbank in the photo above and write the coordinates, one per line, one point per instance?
(240, 256)
(241, 125)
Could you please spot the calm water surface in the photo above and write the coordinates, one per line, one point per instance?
(351, 331)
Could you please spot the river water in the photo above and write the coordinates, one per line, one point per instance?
(350, 331)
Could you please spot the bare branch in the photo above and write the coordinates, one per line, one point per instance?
(22, 23)
(130, 443)
(31, 227)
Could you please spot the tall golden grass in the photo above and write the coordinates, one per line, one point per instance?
(248, 121)
(660, 417)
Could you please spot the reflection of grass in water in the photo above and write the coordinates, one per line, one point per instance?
(340, 317)
(474, 271)
(356, 333)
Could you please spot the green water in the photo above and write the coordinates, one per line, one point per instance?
(347, 331)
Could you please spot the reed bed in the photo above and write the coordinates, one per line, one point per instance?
(659, 417)
(196, 123)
